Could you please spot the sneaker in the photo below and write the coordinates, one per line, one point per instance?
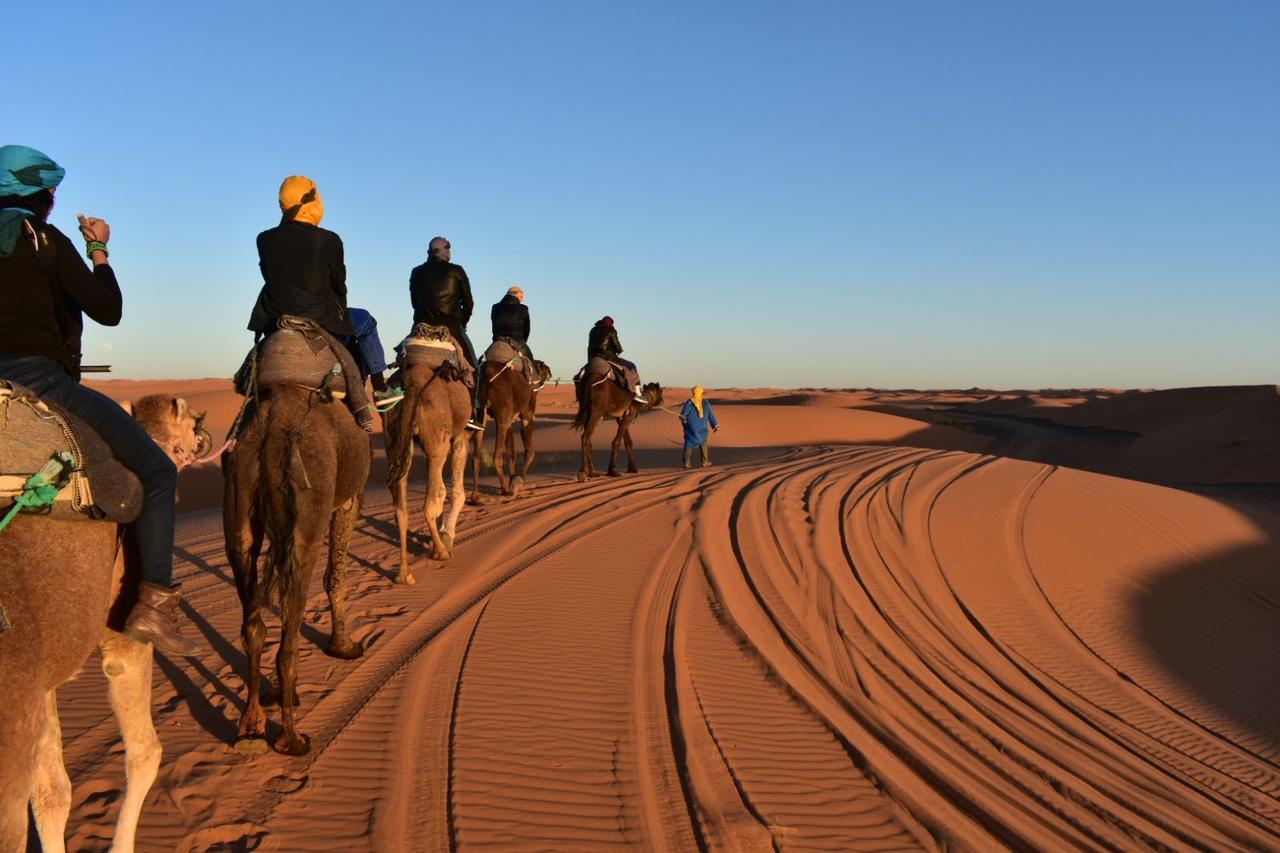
(154, 619)
(475, 426)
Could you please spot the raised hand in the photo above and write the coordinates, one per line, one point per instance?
(94, 229)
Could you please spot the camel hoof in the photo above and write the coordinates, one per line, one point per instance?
(350, 650)
(271, 698)
(251, 746)
(582, 476)
(406, 579)
(299, 745)
(441, 555)
(614, 474)
(474, 500)
(633, 470)
(509, 491)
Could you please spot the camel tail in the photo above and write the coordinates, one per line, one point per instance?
(278, 511)
(400, 452)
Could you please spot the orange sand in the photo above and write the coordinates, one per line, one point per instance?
(862, 632)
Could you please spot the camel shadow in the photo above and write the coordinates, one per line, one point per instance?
(1214, 625)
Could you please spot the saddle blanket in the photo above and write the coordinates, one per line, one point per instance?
(432, 346)
(619, 370)
(33, 432)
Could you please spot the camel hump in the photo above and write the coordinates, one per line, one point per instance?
(34, 432)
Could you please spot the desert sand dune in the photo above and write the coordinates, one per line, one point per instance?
(837, 646)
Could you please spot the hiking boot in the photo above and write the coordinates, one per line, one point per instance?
(154, 619)
(364, 420)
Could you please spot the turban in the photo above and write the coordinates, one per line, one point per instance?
(695, 396)
(25, 171)
(300, 201)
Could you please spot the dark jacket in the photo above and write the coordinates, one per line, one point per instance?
(441, 293)
(603, 341)
(510, 319)
(305, 275)
(44, 294)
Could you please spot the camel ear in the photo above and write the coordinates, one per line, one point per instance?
(127, 406)
(179, 407)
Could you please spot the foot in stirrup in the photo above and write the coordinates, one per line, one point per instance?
(478, 427)
(638, 396)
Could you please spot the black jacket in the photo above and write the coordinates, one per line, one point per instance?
(603, 341)
(305, 275)
(43, 295)
(510, 319)
(440, 293)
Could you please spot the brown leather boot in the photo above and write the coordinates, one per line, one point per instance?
(154, 619)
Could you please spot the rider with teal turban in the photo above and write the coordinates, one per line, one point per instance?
(46, 289)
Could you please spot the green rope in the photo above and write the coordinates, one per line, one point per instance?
(41, 489)
(384, 409)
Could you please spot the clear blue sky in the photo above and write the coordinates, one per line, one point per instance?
(893, 194)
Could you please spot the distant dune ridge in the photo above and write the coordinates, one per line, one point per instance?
(883, 620)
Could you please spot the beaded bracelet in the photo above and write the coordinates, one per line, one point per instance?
(95, 246)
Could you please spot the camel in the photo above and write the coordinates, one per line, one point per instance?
(297, 470)
(603, 398)
(435, 410)
(509, 397)
(63, 582)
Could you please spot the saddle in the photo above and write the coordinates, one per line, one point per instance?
(432, 347)
(299, 352)
(599, 369)
(507, 355)
(40, 438)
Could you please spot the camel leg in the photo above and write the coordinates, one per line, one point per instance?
(433, 505)
(613, 450)
(243, 532)
(476, 446)
(21, 725)
(624, 427)
(458, 463)
(400, 494)
(50, 784)
(526, 438)
(306, 540)
(127, 665)
(340, 526)
(501, 454)
(588, 466)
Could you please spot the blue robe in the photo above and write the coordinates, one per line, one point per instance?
(695, 425)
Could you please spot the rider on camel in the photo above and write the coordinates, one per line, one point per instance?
(45, 289)
(603, 343)
(441, 295)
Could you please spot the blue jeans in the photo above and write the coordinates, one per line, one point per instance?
(133, 448)
(366, 346)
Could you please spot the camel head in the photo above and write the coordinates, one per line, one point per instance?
(541, 374)
(652, 392)
(174, 426)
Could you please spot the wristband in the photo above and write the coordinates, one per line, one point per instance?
(95, 246)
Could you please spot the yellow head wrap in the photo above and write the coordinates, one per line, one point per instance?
(300, 200)
(695, 396)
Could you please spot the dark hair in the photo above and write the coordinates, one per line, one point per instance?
(39, 203)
